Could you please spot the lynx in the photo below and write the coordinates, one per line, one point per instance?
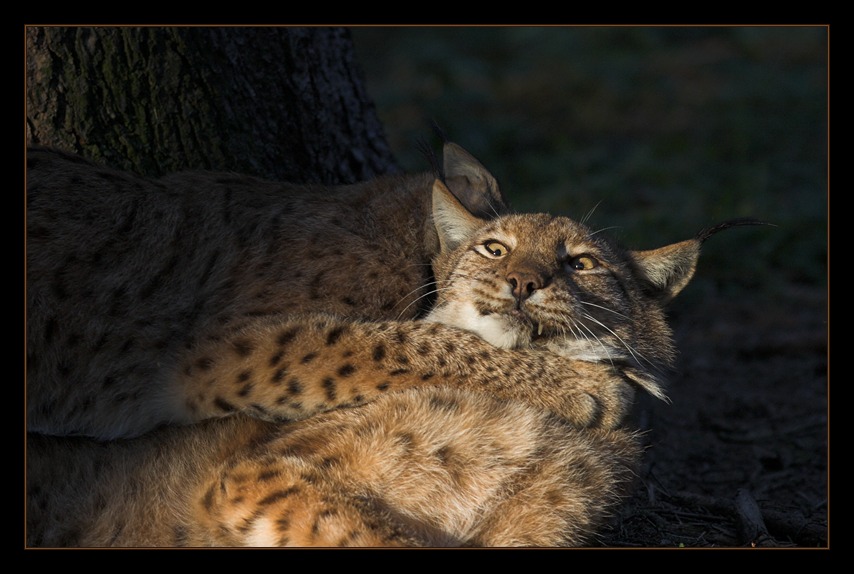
(169, 301)
(448, 465)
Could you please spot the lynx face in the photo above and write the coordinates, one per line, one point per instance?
(529, 280)
(540, 281)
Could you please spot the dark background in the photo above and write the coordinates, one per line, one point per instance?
(660, 132)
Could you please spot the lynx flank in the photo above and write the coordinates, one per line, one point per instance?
(443, 466)
(200, 295)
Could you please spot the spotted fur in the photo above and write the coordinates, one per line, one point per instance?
(446, 465)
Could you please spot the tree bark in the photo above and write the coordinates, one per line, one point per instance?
(280, 103)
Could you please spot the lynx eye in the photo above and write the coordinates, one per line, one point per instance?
(495, 249)
(582, 263)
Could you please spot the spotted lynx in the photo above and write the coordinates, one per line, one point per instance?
(199, 295)
(444, 466)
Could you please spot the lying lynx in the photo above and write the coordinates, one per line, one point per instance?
(201, 295)
(444, 466)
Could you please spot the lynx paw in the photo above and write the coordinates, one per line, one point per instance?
(597, 397)
(581, 409)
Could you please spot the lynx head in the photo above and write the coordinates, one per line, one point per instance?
(535, 280)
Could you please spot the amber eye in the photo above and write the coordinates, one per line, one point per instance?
(582, 263)
(495, 248)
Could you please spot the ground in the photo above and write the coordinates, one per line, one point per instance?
(739, 457)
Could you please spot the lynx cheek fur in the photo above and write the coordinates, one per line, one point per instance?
(443, 466)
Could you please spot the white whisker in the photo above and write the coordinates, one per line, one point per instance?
(414, 301)
(605, 309)
(424, 286)
(598, 340)
(589, 214)
(634, 353)
(592, 233)
(494, 210)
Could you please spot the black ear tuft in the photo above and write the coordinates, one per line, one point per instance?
(709, 231)
(428, 152)
(425, 148)
(440, 133)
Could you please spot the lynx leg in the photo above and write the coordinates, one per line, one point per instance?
(274, 502)
(566, 496)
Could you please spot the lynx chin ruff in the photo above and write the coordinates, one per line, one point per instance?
(278, 320)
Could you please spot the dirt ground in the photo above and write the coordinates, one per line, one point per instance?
(740, 456)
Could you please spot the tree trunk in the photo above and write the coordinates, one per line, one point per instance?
(280, 103)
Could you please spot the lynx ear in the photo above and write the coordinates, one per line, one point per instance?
(669, 269)
(454, 222)
(471, 183)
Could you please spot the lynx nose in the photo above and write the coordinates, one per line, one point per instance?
(523, 283)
